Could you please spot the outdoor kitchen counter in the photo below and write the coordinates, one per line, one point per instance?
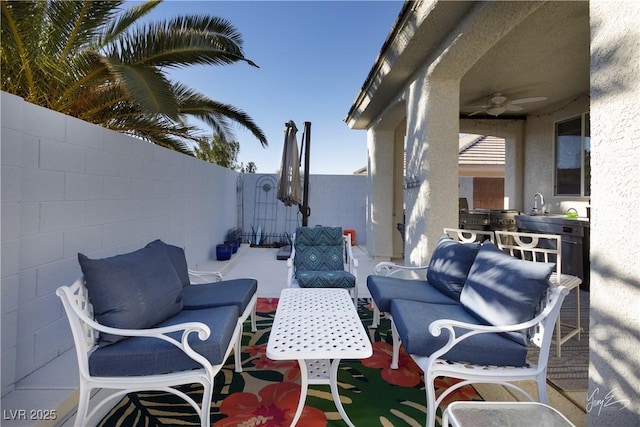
(560, 219)
(575, 234)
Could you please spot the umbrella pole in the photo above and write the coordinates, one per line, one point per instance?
(306, 211)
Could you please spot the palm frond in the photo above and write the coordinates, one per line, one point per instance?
(161, 45)
(147, 86)
(90, 59)
(127, 18)
(207, 24)
(21, 23)
(215, 114)
(157, 131)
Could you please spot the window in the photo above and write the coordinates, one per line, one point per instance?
(573, 157)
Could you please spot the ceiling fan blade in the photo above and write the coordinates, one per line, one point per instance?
(477, 112)
(510, 107)
(527, 100)
(477, 106)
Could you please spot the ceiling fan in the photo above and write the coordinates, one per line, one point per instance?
(498, 104)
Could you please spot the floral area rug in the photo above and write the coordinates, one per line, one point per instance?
(266, 392)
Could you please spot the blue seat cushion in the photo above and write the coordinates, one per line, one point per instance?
(136, 290)
(236, 292)
(412, 320)
(178, 259)
(151, 356)
(325, 279)
(384, 289)
(504, 290)
(450, 265)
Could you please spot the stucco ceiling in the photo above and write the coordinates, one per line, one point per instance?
(547, 55)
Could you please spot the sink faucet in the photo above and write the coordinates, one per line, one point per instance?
(535, 202)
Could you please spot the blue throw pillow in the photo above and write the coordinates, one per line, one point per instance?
(503, 290)
(450, 265)
(136, 290)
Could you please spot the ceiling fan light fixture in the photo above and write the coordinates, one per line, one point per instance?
(496, 111)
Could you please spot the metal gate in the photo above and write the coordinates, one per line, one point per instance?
(273, 223)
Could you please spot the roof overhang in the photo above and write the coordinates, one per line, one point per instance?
(529, 49)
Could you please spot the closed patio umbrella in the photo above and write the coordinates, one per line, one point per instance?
(289, 185)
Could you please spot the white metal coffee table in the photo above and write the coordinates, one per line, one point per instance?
(318, 328)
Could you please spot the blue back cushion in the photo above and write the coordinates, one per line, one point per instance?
(178, 259)
(503, 290)
(450, 265)
(136, 290)
(319, 249)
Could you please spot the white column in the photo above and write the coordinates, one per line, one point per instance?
(380, 205)
(432, 165)
(614, 336)
(514, 171)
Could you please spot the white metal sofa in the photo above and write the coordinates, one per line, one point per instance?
(390, 269)
(491, 305)
(136, 327)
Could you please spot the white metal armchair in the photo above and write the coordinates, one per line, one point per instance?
(181, 341)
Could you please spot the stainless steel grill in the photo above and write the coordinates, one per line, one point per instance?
(488, 219)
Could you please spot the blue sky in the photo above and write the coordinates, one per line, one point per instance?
(313, 58)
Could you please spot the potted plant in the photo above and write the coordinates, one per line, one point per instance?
(223, 252)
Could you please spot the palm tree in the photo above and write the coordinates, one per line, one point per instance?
(94, 60)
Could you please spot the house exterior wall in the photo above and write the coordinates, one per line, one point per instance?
(614, 340)
(529, 161)
(538, 161)
(68, 186)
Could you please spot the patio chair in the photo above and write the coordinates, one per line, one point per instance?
(321, 257)
(545, 248)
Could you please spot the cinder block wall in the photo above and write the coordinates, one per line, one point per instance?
(335, 200)
(68, 186)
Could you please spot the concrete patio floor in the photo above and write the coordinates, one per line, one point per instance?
(55, 385)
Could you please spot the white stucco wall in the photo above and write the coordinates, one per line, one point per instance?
(538, 158)
(614, 369)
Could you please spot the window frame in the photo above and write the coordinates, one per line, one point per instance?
(585, 135)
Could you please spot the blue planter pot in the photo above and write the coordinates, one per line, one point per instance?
(234, 245)
(223, 252)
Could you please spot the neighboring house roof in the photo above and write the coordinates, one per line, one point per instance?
(478, 155)
(481, 156)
